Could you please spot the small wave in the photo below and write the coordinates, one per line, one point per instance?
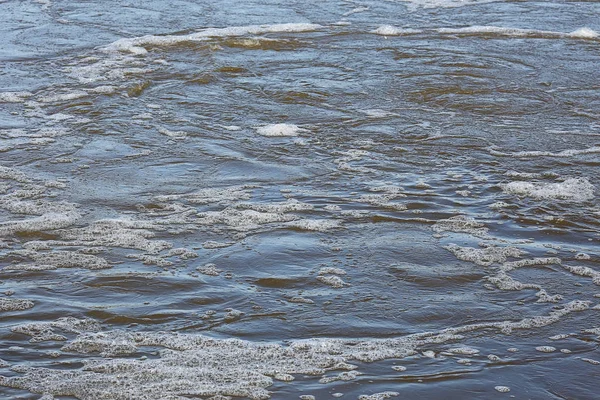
(581, 33)
(537, 153)
(136, 45)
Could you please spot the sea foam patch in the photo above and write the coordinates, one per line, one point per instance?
(571, 189)
(279, 130)
(137, 45)
(193, 365)
(581, 33)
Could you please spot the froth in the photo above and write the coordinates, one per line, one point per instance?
(582, 33)
(275, 130)
(571, 189)
(192, 365)
(136, 45)
(390, 30)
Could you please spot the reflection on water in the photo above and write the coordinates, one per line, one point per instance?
(360, 200)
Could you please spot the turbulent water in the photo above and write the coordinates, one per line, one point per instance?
(299, 199)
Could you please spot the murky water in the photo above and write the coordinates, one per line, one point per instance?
(354, 199)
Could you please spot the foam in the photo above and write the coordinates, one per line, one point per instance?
(379, 396)
(463, 350)
(278, 207)
(317, 225)
(502, 389)
(461, 224)
(45, 331)
(486, 256)
(193, 365)
(331, 271)
(172, 134)
(211, 244)
(584, 271)
(532, 262)
(444, 3)
(210, 195)
(546, 349)
(384, 196)
(334, 281)
(300, 300)
(9, 304)
(14, 97)
(390, 30)
(137, 45)
(64, 259)
(209, 269)
(113, 233)
(537, 153)
(279, 130)
(57, 98)
(505, 282)
(342, 376)
(582, 33)
(590, 361)
(582, 256)
(45, 222)
(245, 220)
(571, 189)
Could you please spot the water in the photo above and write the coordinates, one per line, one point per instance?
(385, 199)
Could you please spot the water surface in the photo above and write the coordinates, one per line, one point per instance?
(281, 199)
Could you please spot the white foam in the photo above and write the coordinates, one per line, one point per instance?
(584, 271)
(137, 45)
(379, 396)
(210, 195)
(45, 331)
(546, 349)
(571, 189)
(14, 97)
(461, 224)
(585, 33)
(582, 33)
(209, 269)
(444, 3)
(334, 281)
(464, 350)
(590, 361)
(539, 261)
(537, 153)
(331, 271)
(192, 365)
(390, 30)
(486, 256)
(10, 304)
(279, 130)
(318, 225)
(172, 134)
(60, 259)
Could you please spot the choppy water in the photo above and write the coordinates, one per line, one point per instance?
(284, 199)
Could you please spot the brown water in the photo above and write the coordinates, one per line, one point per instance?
(284, 199)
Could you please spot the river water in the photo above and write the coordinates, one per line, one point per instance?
(269, 199)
